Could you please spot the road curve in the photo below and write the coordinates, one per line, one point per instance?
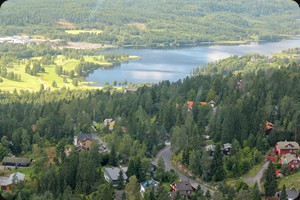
(257, 178)
(166, 154)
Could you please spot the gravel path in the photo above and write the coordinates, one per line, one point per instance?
(257, 178)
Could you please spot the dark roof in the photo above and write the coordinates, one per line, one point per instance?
(184, 186)
(113, 173)
(16, 160)
(293, 194)
(83, 137)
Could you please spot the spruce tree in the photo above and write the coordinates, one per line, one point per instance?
(283, 195)
(217, 168)
(270, 184)
(120, 180)
(256, 193)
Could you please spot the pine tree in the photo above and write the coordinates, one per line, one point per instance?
(256, 193)
(120, 180)
(218, 170)
(133, 189)
(270, 184)
(283, 195)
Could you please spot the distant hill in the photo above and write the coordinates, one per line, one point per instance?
(153, 22)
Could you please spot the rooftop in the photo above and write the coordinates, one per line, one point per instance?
(288, 145)
(184, 186)
(15, 177)
(16, 160)
(113, 172)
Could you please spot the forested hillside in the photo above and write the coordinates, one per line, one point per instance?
(34, 124)
(153, 23)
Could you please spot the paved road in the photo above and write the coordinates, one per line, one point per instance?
(258, 176)
(166, 154)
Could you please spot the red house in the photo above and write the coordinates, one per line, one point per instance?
(286, 147)
(291, 161)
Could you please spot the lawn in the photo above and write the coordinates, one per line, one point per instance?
(33, 83)
(254, 170)
(77, 32)
(292, 181)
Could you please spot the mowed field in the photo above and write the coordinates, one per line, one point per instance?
(291, 182)
(33, 83)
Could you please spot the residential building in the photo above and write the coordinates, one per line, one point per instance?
(148, 184)
(6, 183)
(291, 161)
(190, 105)
(110, 123)
(131, 90)
(83, 141)
(291, 195)
(183, 187)
(15, 162)
(286, 147)
(226, 148)
(212, 103)
(111, 174)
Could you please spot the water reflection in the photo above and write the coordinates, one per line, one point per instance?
(156, 64)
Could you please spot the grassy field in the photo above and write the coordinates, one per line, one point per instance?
(33, 83)
(77, 32)
(292, 181)
(255, 169)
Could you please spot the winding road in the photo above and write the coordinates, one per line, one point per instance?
(166, 154)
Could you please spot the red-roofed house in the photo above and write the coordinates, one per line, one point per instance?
(286, 147)
(291, 161)
(203, 103)
(190, 104)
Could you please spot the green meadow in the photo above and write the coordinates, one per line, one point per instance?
(33, 83)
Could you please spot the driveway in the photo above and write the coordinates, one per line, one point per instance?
(257, 178)
(166, 154)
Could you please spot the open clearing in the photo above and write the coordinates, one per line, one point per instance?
(77, 32)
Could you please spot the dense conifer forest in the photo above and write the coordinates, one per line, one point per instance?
(152, 23)
(43, 123)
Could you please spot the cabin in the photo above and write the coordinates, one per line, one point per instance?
(268, 127)
(7, 182)
(111, 174)
(291, 161)
(83, 141)
(291, 195)
(286, 147)
(212, 103)
(131, 90)
(184, 188)
(15, 162)
(226, 149)
(110, 123)
(190, 104)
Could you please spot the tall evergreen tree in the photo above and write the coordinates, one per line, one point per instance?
(270, 183)
(256, 193)
(283, 195)
(217, 168)
(121, 180)
(132, 189)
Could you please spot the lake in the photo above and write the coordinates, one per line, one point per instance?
(156, 65)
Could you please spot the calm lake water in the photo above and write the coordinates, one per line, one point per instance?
(156, 65)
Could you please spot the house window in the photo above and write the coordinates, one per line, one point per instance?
(292, 166)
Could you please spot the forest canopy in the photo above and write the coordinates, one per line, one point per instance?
(152, 23)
